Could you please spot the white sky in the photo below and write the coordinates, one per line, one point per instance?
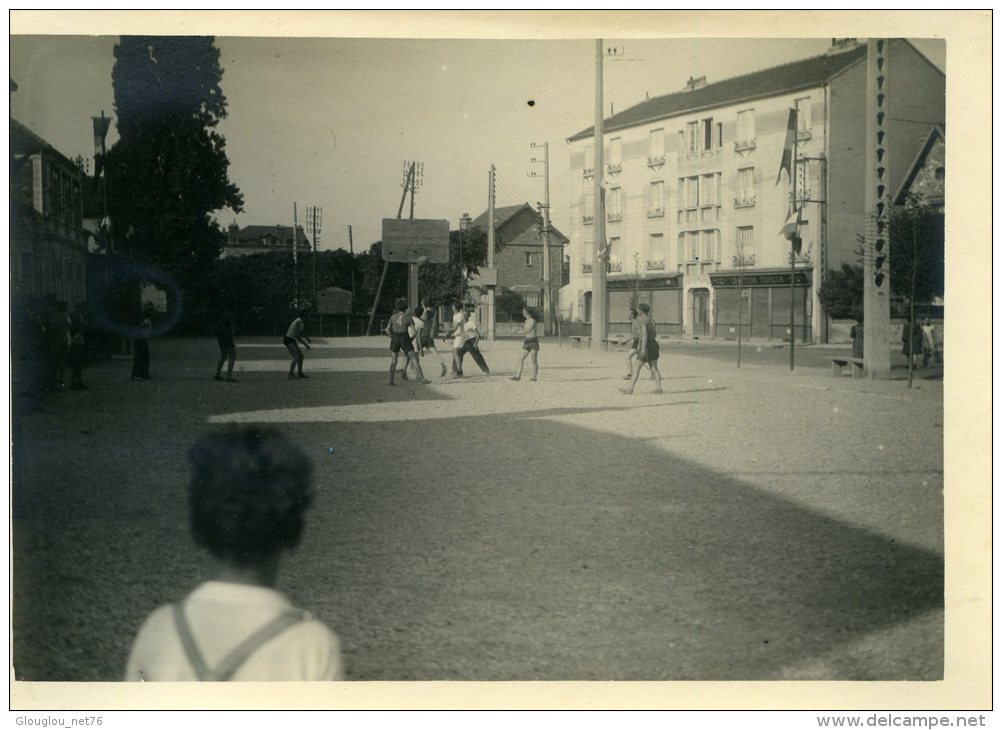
(330, 121)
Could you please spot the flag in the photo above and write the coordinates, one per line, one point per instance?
(791, 139)
(791, 229)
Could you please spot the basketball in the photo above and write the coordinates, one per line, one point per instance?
(422, 260)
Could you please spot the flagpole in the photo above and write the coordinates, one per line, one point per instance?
(793, 240)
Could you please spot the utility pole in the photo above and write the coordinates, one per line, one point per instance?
(351, 250)
(794, 239)
(314, 218)
(598, 307)
(547, 283)
(295, 256)
(877, 241)
(491, 334)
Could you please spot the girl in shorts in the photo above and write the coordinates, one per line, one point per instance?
(530, 346)
(294, 337)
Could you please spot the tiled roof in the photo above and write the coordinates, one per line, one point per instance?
(506, 213)
(251, 235)
(783, 79)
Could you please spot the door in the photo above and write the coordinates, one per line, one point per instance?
(700, 311)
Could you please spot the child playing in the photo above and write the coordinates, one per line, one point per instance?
(294, 337)
(530, 345)
(401, 328)
(227, 348)
(648, 350)
(249, 490)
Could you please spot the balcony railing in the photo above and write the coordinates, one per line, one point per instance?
(747, 202)
(615, 266)
(587, 219)
(655, 161)
(745, 145)
(614, 167)
(588, 172)
(655, 265)
(742, 260)
(614, 216)
(803, 134)
(656, 212)
(586, 268)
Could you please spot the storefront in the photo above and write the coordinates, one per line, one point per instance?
(662, 293)
(759, 303)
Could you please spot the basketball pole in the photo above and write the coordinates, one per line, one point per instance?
(408, 185)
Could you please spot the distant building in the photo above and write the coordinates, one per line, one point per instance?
(518, 229)
(48, 250)
(263, 239)
(692, 200)
(926, 178)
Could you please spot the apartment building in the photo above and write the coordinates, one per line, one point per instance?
(695, 204)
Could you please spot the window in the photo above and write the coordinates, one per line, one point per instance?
(708, 245)
(589, 163)
(656, 146)
(655, 253)
(588, 207)
(803, 118)
(656, 199)
(615, 162)
(615, 253)
(746, 187)
(692, 192)
(614, 204)
(746, 128)
(708, 190)
(745, 244)
(528, 259)
(692, 137)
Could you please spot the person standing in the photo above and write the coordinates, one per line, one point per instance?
(634, 344)
(530, 345)
(227, 347)
(648, 350)
(294, 337)
(911, 341)
(472, 343)
(249, 491)
(77, 358)
(58, 330)
(458, 335)
(402, 332)
(928, 342)
(427, 336)
(141, 345)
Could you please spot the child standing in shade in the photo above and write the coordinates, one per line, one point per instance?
(249, 490)
(648, 350)
(294, 337)
(530, 345)
(227, 348)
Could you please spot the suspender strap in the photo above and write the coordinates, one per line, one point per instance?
(188, 642)
(235, 659)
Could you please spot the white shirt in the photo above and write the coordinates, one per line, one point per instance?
(222, 615)
(459, 322)
(471, 328)
(295, 329)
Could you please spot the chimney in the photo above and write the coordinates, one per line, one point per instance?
(840, 45)
(695, 83)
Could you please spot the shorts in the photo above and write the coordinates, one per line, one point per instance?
(531, 343)
(401, 341)
(635, 345)
(427, 341)
(228, 352)
(292, 346)
(653, 353)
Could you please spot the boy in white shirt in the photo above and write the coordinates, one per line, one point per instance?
(249, 491)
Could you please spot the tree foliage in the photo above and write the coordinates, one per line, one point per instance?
(444, 283)
(917, 251)
(168, 171)
(841, 292)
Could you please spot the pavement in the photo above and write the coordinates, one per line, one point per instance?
(749, 523)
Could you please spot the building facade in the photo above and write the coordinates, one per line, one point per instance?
(518, 230)
(48, 250)
(695, 202)
(263, 239)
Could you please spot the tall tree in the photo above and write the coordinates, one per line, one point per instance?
(168, 171)
(443, 283)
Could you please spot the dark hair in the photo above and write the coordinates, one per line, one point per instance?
(457, 305)
(418, 310)
(400, 304)
(532, 313)
(633, 311)
(644, 307)
(250, 488)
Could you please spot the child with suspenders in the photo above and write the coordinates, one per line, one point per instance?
(249, 491)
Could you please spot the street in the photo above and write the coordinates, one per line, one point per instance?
(748, 524)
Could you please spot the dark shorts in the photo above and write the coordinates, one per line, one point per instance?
(428, 341)
(531, 343)
(635, 344)
(653, 353)
(228, 352)
(292, 346)
(401, 341)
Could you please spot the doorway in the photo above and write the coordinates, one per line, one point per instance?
(700, 311)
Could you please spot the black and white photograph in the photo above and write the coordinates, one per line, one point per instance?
(547, 351)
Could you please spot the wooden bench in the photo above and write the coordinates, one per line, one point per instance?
(839, 364)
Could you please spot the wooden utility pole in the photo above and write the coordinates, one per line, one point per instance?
(491, 333)
(547, 282)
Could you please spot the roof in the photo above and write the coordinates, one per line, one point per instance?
(783, 79)
(23, 141)
(936, 132)
(506, 214)
(249, 234)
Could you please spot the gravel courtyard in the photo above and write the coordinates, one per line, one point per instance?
(748, 524)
